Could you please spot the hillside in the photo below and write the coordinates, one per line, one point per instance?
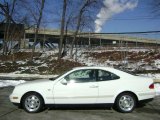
(140, 61)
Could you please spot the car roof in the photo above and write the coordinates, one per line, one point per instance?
(116, 71)
(93, 67)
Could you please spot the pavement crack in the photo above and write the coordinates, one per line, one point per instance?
(8, 112)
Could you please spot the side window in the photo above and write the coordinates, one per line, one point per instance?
(81, 76)
(106, 76)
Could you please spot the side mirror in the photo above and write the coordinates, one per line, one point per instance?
(64, 82)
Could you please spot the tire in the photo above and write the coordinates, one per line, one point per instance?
(125, 103)
(32, 103)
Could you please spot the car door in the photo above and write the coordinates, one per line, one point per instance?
(108, 86)
(78, 87)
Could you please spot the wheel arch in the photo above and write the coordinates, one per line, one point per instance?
(130, 92)
(29, 92)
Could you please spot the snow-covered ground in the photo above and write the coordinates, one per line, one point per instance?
(157, 88)
(154, 76)
(83, 56)
(5, 83)
(14, 75)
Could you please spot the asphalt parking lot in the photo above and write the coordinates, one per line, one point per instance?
(151, 111)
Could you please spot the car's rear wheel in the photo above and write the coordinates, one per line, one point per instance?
(32, 103)
(125, 102)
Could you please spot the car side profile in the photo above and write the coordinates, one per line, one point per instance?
(85, 85)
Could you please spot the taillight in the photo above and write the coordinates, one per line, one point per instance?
(151, 86)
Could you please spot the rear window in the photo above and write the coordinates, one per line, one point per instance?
(106, 76)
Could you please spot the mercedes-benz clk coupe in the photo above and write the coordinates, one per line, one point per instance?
(85, 86)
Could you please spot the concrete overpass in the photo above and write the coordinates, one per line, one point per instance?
(48, 38)
(109, 37)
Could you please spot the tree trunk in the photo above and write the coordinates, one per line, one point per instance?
(86, 3)
(37, 28)
(8, 16)
(75, 34)
(62, 29)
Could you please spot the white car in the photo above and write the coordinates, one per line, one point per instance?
(85, 85)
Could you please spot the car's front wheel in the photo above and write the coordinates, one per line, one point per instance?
(32, 102)
(125, 102)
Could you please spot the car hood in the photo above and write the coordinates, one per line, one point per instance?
(38, 85)
(35, 82)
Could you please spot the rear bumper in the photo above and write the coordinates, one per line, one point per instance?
(147, 95)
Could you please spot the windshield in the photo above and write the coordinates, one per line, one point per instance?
(54, 78)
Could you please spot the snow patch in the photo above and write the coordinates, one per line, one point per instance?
(21, 62)
(5, 83)
(157, 63)
(154, 76)
(157, 88)
(26, 75)
(44, 65)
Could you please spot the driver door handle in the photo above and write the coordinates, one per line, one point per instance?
(93, 86)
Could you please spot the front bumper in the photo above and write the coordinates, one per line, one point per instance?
(14, 98)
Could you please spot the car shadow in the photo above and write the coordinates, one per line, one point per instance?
(149, 108)
(79, 107)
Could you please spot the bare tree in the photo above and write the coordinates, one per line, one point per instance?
(37, 26)
(7, 10)
(76, 16)
(85, 6)
(155, 7)
(155, 10)
(34, 13)
(68, 22)
(62, 28)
